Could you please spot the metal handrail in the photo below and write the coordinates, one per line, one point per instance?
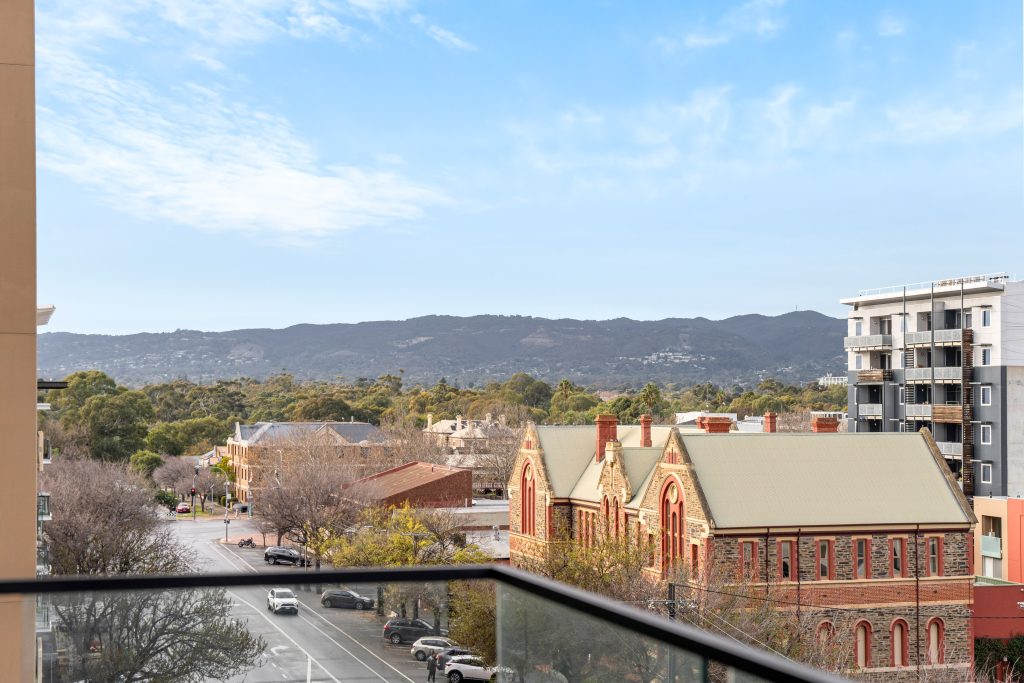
(742, 657)
(919, 286)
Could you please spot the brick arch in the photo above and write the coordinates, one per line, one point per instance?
(672, 521)
(528, 510)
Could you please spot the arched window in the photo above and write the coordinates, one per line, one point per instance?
(672, 524)
(615, 514)
(936, 644)
(605, 512)
(529, 508)
(862, 644)
(826, 632)
(899, 644)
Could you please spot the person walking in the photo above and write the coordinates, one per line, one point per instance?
(431, 668)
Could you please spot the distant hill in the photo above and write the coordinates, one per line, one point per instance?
(797, 346)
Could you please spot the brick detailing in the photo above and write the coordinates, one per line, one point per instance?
(607, 430)
(771, 422)
(717, 425)
(820, 423)
(645, 430)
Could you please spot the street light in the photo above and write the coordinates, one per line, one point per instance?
(227, 506)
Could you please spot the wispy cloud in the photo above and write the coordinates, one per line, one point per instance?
(442, 36)
(760, 18)
(890, 26)
(924, 120)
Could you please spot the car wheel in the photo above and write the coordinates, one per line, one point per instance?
(421, 655)
(273, 560)
(396, 638)
(328, 603)
(360, 605)
(455, 677)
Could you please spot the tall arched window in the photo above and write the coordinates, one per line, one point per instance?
(862, 644)
(605, 512)
(615, 514)
(672, 524)
(899, 644)
(529, 508)
(826, 632)
(936, 646)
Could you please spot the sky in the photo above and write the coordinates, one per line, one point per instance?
(217, 164)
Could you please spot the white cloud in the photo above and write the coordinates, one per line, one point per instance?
(759, 18)
(891, 27)
(926, 120)
(442, 36)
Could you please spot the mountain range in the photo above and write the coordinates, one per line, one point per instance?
(603, 354)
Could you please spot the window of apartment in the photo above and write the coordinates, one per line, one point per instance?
(986, 394)
(985, 432)
(748, 561)
(826, 567)
(986, 317)
(934, 556)
(862, 558)
(858, 328)
(986, 355)
(857, 362)
(968, 320)
(986, 473)
(787, 562)
(898, 639)
(897, 557)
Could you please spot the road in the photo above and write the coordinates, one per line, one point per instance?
(333, 645)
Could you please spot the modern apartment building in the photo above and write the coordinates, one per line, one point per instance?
(947, 355)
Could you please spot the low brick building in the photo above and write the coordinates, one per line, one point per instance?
(870, 527)
(420, 484)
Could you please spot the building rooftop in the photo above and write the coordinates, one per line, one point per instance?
(992, 282)
(400, 479)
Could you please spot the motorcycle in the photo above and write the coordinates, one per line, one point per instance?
(247, 543)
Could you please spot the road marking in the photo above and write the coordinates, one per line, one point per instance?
(351, 654)
(281, 631)
(371, 652)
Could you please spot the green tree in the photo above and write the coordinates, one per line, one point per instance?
(320, 408)
(116, 424)
(82, 386)
(144, 462)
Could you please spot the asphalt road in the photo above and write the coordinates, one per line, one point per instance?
(333, 645)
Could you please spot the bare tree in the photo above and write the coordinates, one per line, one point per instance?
(176, 474)
(105, 522)
(498, 462)
(409, 443)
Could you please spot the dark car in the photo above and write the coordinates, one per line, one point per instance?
(409, 630)
(342, 597)
(444, 656)
(276, 553)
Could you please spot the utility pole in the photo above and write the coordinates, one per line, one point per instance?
(194, 475)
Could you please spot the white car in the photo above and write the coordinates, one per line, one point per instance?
(468, 668)
(427, 647)
(282, 600)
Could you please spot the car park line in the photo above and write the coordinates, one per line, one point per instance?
(368, 650)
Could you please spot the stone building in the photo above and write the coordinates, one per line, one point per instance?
(821, 522)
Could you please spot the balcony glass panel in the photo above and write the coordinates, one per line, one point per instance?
(992, 546)
(950, 448)
(869, 410)
(941, 337)
(868, 341)
(941, 374)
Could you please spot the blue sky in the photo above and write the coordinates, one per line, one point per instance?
(214, 165)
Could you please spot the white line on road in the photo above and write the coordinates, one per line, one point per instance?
(347, 635)
(350, 653)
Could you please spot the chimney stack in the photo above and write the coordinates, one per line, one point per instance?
(430, 420)
(458, 422)
(714, 424)
(607, 430)
(771, 422)
(822, 424)
(645, 431)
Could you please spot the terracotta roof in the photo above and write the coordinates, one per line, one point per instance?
(400, 479)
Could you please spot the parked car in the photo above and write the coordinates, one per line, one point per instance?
(468, 668)
(429, 646)
(342, 597)
(444, 656)
(408, 630)
(277, 553)
(282, 600)
(183, 507)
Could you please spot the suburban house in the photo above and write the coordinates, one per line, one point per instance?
(824, 521)
(469, 436)
(420, 484)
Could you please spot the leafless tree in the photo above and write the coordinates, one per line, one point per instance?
(409, 443)
(67, 441)
(176, 474)
(105, 522)
(497, 463)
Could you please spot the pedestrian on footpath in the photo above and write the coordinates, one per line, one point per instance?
(431, 668)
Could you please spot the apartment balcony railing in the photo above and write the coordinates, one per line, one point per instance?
(869, 410)
(950, 374)
(868, 341)
(541, 630)
(874, 375)
(992, 546)
(919, 410)
(950, 414)
(943, 337)
(43, 507)
(951, 448)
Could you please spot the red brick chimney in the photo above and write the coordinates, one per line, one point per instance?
(607, 430)
(645, 431)
(717, 424)
(819, 423)
(700, 421)
(771, 422)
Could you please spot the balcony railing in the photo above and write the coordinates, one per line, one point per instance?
(992, 546)
(951, 414)
(43, 507)
(941, 337)
(919, 410)
(874, 375)
(951, 448)
(868, 341)
(950, 374)
(869, 410)
(539, 629)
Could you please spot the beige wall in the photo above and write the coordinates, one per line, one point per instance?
(17, 328)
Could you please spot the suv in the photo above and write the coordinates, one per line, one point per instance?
(282, 600)
(276, 553)
(407, 630)
(342, 597)
(444, 656)
(429, 646)
(468, 668)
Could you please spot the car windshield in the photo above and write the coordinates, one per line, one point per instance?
(285, 594)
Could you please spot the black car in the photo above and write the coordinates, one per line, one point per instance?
(443, 656)
(342, 597)
(276, 553)
(409, 630)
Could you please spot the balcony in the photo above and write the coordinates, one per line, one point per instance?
(43, 507)
(874, 376)
(526, 627)
(992, 546)
(950, 374)
(919, 410)
(942, 337)
(868, 341)
(948, 414)
(953, 448)
(871, 410)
